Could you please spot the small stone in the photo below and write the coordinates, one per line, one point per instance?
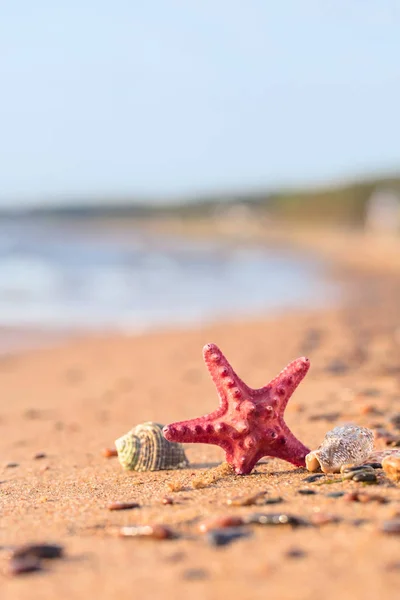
(365, 477)
(12, 465)
(335, 494)
(313, 478)
(295, 553)
(365, 497)
(274, 500)
(223, 537)
(167, 500)
(274, 519)
(395, 421)
(25, 564)
(195, 574)
(39, 551)
(109, 452)
(247, 500)
(221, 522)
(391, 467)
(359, 522)
(320, 519)
(306, 492)
(373, 465)
(391, 527)
(354, 468)
(155, 532)
(123, 505)
(337, 367)
(330, 417)
(39, 455)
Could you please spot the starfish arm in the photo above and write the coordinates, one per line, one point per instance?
(203, 430)
(228, 383)
(284, 384)
(288, 447)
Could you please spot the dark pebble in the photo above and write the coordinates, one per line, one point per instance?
(359, 522)
(337, 367)
(275, 500)
(354, 469)
(371, 392)
(12, 465)
(391, 527)
(295, 553)
(45, 551)
(306, 492)
(25, 564)
(274, 519)
(335, 495)
(195, 574)
(365, 477)
(393, 442)
(39, 455)
(312, 478)
(223, 537)
(395, 421)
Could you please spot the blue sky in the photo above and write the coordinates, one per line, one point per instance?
(182, 97)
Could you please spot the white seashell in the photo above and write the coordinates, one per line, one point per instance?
(348, 444)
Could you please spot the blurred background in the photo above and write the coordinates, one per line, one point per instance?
(168, 163)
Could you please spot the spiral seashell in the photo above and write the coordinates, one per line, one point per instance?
(348, 444)
(144, 448)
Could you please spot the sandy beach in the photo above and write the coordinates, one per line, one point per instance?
(62, 405)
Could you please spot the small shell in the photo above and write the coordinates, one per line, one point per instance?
(348, 444)
(144, 448)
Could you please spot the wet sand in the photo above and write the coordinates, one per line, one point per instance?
(71, 401)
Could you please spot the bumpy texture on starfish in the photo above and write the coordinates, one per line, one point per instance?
(249, 423)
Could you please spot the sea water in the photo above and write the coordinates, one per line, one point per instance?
(59, 276)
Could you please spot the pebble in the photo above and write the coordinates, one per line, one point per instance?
(359, 522)
(123, 505)
(330, 417)
(223, 537)
(46, 551)
(391, 527)
(28, 558)
(167, 500)
(26, 564)
(12, 465)
(295, 553)
(391, 467)
(274, 519)
(337, 367)
(194, 574)
(39, 455)
(155, 532)
(220, 523)
(335, 495)
(365, 497)
(306, 492)
(365, 477)
(109, 452)
(324, 519)
(395, 421)
(312, 478)
(354, 468)
(247, 500)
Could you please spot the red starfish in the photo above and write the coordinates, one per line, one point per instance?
(248, 423)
